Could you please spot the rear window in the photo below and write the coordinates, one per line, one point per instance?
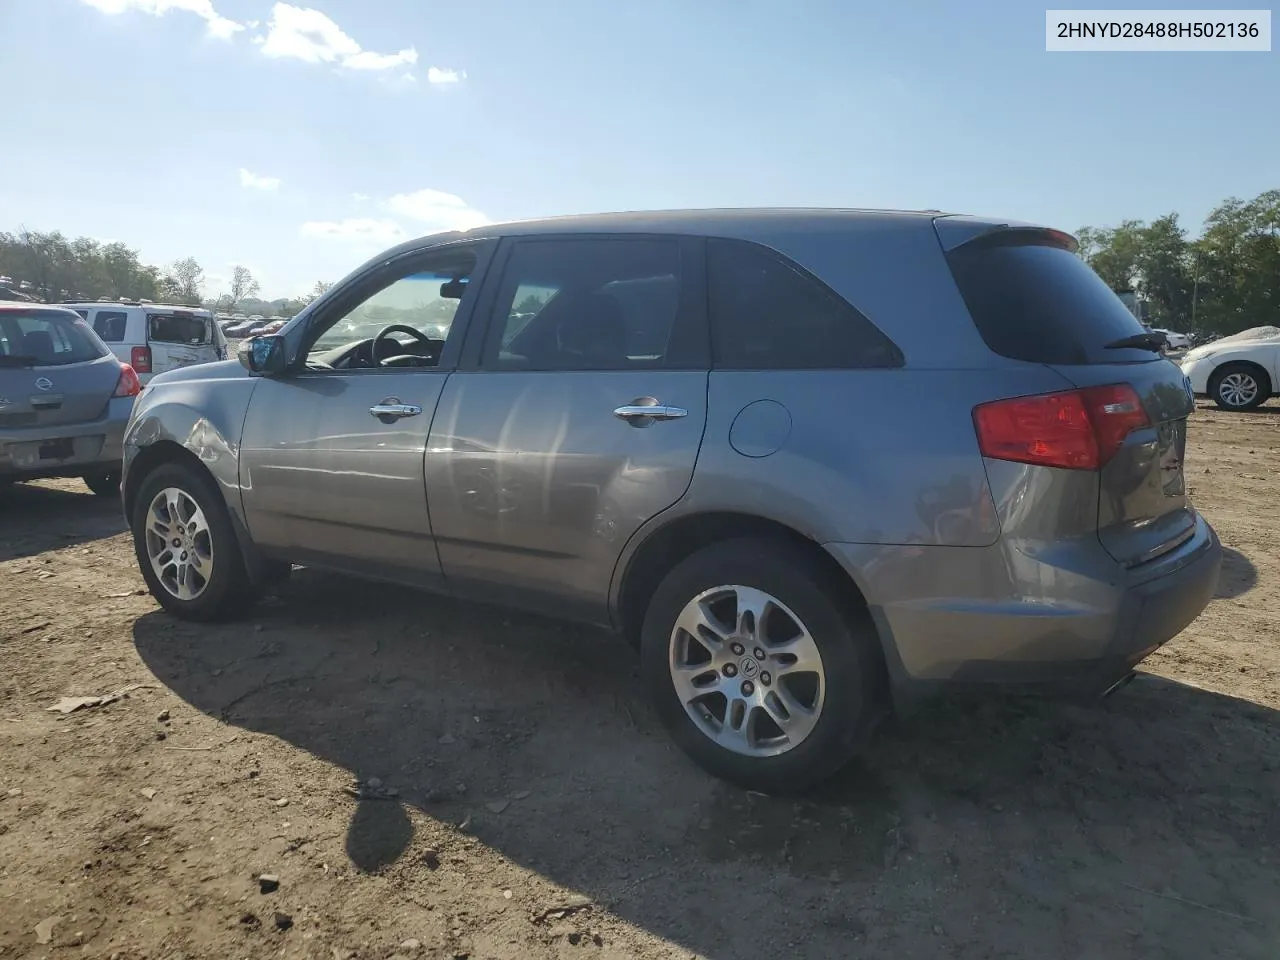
(177, 328)
(1036, 301)
(46, 340)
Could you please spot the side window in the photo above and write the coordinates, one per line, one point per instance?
(768, 314)
(587, 305)
(421, 297)
(110, 325)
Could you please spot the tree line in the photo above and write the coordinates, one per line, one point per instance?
(1224, 281)
(53, 267)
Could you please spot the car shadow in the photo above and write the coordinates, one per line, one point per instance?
(1000, 826)
(32, 515)
(1238, 575)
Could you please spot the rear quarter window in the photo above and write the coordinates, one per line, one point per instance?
(1034, 300)
(768, 314)
(110, 325)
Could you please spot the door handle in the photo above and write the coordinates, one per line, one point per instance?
(643, 411)
(391, 409)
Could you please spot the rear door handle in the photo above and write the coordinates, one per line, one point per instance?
(391, 409)
(643, 411)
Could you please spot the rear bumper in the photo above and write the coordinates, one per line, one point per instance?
(992, 615)
(96, 444)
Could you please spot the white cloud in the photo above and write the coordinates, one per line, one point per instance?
(217, 25)
(436, 209)
(361, 197)
(368, 60)
(360, 230)
(253, 181)
(443, 75)
(301, 33)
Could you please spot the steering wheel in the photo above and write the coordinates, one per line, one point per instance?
(384, 336)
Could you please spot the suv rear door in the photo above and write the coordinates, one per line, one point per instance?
(1032, 299)
(180, 338)
(541, 463)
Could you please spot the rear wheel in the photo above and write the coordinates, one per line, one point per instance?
(1239, 386)
(758, 668)
(186, 546)
(105, 483)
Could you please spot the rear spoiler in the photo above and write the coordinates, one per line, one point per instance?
(956, 231)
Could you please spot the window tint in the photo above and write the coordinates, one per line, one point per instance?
(177, 328)
(109, 325)
(1039, 302)
(47, 339)
(768, 314)
(588, 305)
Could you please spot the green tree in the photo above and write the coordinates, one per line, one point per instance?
(182, 282)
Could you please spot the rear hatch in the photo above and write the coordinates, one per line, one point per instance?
(180, 338)
(1032, 299)
(53, 371)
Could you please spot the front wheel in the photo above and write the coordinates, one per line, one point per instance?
(104, 483)
(1238, 387)
(186, 546)
(759, 668)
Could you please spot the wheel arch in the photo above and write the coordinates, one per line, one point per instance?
(164, 451)
(657, 550)
(1257, 369)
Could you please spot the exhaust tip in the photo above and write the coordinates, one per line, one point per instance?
(1119, 684)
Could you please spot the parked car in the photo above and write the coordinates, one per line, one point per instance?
(814, 464)
(64, 399)
(1238, 372)
(155, 338)
(1176, 341)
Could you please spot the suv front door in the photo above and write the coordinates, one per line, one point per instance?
(538, 469)
(331, 462)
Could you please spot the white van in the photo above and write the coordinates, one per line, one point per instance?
(154, 337)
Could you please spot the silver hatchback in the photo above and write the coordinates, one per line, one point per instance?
(814, 464)
(64, 399)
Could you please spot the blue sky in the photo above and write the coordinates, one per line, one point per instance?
(299, 139)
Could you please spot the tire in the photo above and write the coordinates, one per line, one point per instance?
(1239, 386)
(226, 592)
(105, 483)
(852, 685)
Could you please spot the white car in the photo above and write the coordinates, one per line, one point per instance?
(153, 337)
(1238, 372)
(1177, 341)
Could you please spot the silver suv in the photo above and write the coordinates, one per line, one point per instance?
(813, 463)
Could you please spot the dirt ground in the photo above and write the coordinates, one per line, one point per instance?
(519, 800)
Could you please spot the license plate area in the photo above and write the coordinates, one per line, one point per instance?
(60, 449)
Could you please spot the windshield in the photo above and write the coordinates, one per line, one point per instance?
(416, 301)
(46, 339)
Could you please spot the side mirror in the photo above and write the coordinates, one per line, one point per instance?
(263, 355)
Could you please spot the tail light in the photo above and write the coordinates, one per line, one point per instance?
(128, 385)
(140, 359)
(1076, 429)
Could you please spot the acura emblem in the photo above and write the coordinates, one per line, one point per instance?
(44, 383)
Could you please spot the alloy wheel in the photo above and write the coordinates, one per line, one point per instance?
(1238, 389)
(179, 544)
(747, 671)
